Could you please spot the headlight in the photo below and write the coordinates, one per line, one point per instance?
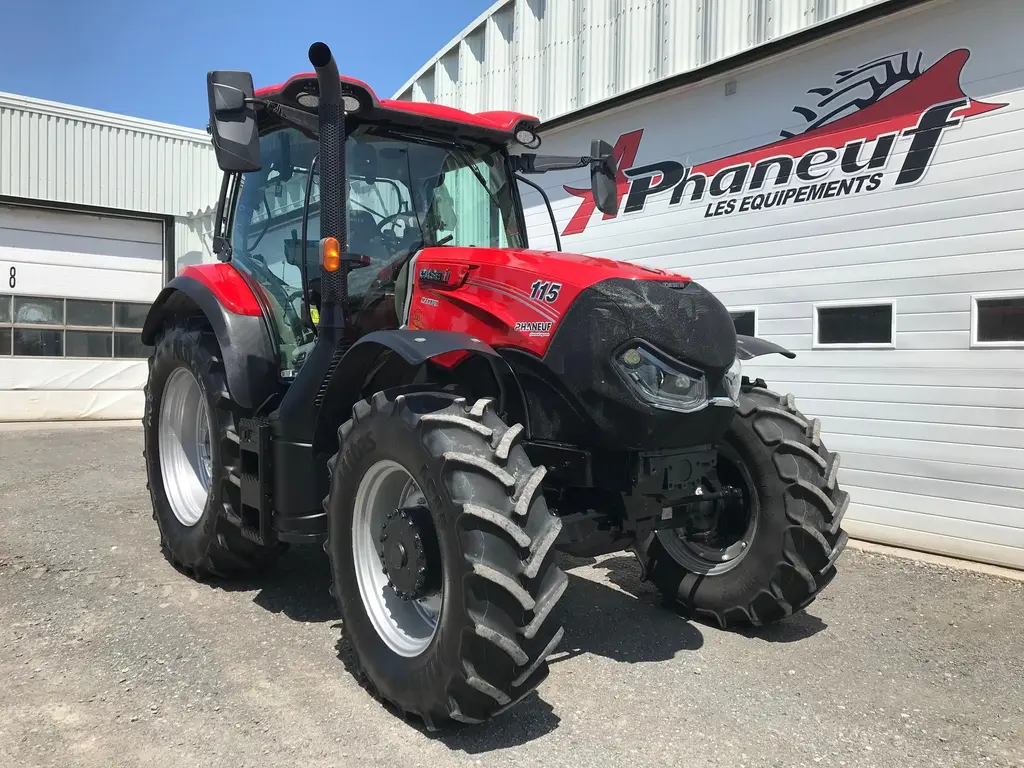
(660, 383)
(734, 379)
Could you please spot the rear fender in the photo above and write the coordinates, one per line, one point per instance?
(414, 347)
(749, 347)
(248, 354)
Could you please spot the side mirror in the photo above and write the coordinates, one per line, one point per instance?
(602, 178)
(236, 141)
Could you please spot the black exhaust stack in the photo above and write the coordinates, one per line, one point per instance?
(333, 191)
(299, 480)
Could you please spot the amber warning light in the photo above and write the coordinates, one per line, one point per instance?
(330, 254)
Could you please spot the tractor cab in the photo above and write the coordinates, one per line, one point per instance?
(415, 176)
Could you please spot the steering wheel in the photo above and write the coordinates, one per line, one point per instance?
(391, 221)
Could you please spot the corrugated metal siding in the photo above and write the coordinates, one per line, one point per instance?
(471, 65)
(65, 154)
(551, 57)
(193, 240)
(56, 152)
(499, 70)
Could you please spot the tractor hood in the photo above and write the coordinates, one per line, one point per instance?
(574, 315)
(532, 298)
(566, 268)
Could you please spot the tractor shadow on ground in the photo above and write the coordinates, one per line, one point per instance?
(529, 720)
(622, 620)
(601, 621)
(296, 587)
(628, 626)
(624, 572)
(799, 626)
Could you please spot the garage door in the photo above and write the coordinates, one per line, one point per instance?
(74, 291)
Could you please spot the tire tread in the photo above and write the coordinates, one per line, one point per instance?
(487, 684)
(228, 553)
(814, 508)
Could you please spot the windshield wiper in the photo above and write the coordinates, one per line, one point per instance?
(430, 241)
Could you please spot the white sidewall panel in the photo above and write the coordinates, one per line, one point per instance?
(931, 430)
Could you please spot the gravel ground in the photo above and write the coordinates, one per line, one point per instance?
(109, 657)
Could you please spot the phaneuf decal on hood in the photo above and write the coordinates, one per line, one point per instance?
(845, 151)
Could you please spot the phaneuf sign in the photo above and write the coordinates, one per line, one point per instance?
(835, 156)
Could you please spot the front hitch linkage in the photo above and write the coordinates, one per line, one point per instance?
(727, 494)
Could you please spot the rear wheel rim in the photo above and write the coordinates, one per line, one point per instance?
(406, 626)
(713, 560)
(186, 467)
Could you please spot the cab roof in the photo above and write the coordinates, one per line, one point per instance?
(495, 126)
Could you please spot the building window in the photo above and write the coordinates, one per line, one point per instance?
(88, 344)
(38, 311)
(855, 325)
(130, 314)
(95, 314)
(38, 342)
(997, 320)
(745, 320)
(128, 345)
(37, 326)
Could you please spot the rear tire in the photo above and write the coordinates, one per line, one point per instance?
(797, 537)
(498, 580)
(195, 533)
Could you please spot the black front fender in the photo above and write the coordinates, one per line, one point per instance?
(250, 362)
(415, 347)
(749, 347)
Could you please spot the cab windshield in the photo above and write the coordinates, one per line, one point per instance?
(404, 193)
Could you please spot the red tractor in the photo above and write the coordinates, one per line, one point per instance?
(379, 365)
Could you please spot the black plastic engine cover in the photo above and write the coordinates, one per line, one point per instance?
(683, 320)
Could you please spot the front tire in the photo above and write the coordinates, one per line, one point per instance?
(792, 538)
(476, 642)
(192, 457)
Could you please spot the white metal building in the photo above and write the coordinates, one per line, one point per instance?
(847, 177)
(96, 212)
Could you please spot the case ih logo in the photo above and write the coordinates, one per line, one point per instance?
(435, 275)
(850, 135)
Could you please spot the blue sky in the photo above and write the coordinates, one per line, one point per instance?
(149, 59)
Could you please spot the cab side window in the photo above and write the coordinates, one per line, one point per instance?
(266, 236)
(466, 202)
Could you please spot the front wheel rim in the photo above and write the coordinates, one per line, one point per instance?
(406, 626)
(707, 560)
(183, 433)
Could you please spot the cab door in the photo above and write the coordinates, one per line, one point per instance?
(266, 242)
